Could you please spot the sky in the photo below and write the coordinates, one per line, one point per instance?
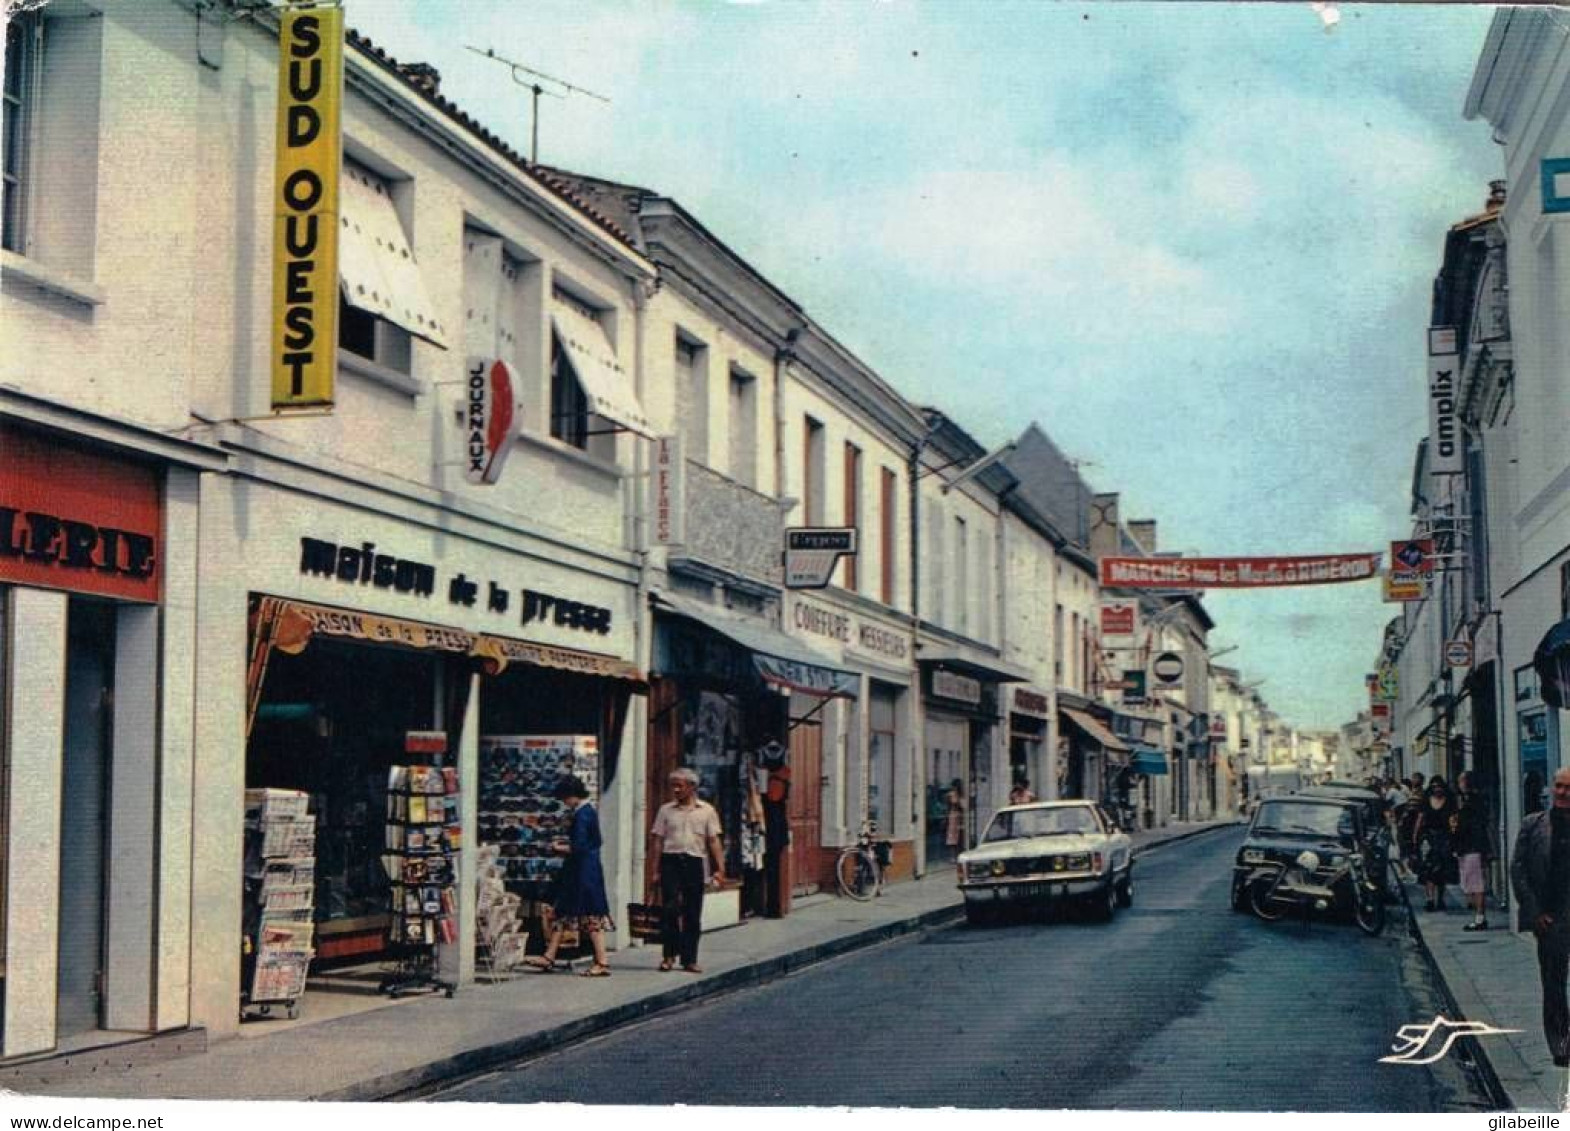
(1196, 243)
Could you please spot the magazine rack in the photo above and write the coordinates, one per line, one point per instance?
(421, 865)
(280, 881)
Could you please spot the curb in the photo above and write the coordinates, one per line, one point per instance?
(1187, 834)
(411, 1083)
(1485, 1066)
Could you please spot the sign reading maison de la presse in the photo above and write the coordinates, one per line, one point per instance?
(363, 565)
(304, 335)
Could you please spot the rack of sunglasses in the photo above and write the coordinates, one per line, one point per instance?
(519, 811)
(423, 837)
(280, 882)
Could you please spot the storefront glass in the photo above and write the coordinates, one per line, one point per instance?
(331, 722)
(880, 758)
(948, 787)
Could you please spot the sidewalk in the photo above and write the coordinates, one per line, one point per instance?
(419, 1042)
(1492, 977)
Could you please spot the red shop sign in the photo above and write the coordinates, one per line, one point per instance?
(77, 520)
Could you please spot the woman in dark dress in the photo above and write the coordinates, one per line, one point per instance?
(1431, 837)
(580, 903)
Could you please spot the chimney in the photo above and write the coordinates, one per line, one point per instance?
(1104, 525)
(423, 77)
(1143, 531)
(1496, 195)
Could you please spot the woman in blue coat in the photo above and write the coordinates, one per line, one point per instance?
(580, 903)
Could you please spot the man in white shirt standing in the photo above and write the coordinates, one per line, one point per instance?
(684, 831)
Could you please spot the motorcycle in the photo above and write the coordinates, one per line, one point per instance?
(1276, 889)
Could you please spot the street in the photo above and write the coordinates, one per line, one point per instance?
(1180, 1003)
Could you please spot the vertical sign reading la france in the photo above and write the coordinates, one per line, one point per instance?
(304, 342)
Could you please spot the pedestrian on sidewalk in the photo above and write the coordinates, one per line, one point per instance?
(954, 821)
(1020, 794)
(1540, 878)
(1436, 863)
(685, 830)
(579, 902)
(1474, 848)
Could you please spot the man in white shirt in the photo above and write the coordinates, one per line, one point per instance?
(684, 831)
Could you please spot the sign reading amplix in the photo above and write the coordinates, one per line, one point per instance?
(812, 552)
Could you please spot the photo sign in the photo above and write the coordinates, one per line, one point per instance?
(1411, 569)
(304, 333)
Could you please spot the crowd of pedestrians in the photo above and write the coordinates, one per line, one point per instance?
(1443, 839)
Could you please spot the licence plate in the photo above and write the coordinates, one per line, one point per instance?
(1025, 891)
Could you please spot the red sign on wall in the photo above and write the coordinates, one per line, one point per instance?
(76, 520)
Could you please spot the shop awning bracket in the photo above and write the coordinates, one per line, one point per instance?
(807, 718)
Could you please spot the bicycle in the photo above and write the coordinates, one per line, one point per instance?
(859, 868)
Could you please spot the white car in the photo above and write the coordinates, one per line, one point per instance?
(1047, 852)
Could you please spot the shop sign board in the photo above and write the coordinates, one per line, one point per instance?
(1387, 683)
(960, 688)
(1458, 653)
(1119, 619)
(304, 335)
(812, 552)
(1444, 423)
(853, 633)
(79, 521)
(1236, 573)
(670, 492)
(1411, 569)
(491, 420)
(1028, 702)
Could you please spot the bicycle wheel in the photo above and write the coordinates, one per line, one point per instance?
(857, 874)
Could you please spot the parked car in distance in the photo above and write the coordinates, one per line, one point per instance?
(1048, 852)
(1284, 828)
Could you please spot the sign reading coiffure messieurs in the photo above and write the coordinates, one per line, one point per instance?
(79, 521)
(856, 634)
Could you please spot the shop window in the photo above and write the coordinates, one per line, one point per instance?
(881, 745)
(852, 512)
(23, 40)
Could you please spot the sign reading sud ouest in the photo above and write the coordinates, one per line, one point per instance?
(304, 337)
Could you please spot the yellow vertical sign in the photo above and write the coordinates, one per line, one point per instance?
(304, 342)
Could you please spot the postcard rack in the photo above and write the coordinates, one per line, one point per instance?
(421, 865)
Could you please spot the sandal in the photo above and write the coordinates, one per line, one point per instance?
(596, 971)
(693, 969)
(667, 965)
(541, 963)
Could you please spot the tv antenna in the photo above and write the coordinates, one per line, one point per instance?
(535, 89)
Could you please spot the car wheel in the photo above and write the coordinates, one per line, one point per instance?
(1126, 889)
(1104, 904)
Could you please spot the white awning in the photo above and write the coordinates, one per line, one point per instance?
(375, 265)
(606, 385)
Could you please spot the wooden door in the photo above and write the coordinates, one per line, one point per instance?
(806, 805)
(664, 756)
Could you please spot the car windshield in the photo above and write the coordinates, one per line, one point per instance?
(1011, 825)
(1301, 817)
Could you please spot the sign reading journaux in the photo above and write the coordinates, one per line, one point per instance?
(304, 342)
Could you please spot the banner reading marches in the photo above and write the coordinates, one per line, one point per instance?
(1236, 573)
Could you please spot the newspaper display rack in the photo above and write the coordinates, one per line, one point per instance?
(423, 838)
(501, 942)
(280, 883)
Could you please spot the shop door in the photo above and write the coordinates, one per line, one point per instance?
(664, 756)
(947, 744)
(89, 683)
(806, 805)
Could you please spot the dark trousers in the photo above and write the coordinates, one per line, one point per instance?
(681, 913)
(1553, 965)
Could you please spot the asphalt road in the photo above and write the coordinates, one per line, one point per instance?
(1179, 1004)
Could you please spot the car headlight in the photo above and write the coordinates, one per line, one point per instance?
(1079, 862)
(978, 871)
(1253, 856)
(1308, 861)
